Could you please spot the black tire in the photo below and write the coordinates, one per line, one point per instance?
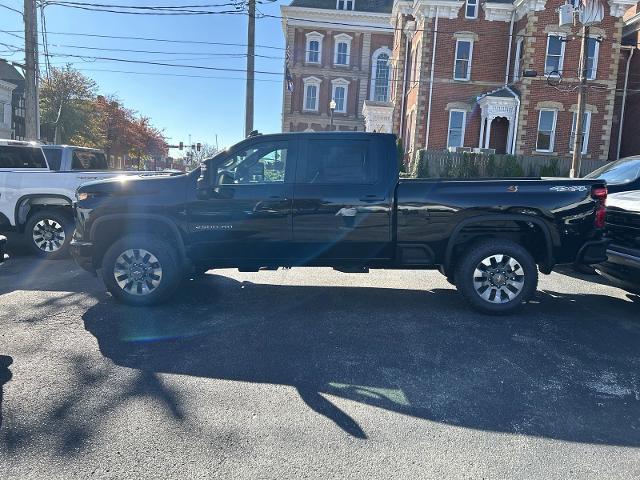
(48, 233)
(511, 277)
(140, 292)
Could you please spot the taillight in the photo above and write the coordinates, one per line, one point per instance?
(600, 195)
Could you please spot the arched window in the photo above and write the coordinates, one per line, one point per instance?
(380, 75)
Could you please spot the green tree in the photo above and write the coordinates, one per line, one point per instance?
(67, 107)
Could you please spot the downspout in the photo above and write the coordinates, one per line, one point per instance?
(506, 84)
(506, 73)
(624, 99)
(433, 63)
(404, 89)
(515, 126)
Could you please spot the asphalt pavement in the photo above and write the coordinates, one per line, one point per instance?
(311, 373)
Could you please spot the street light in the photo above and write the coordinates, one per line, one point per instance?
(332, 107)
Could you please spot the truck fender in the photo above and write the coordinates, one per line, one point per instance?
(139, 217)
(545, 267)
(24, 204)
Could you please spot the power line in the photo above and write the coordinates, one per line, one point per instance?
(162, 64)
(11, 8)
(146, 39)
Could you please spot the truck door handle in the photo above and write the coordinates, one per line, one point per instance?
(372, 198)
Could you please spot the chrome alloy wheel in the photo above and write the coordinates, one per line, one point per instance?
(48, 235)
(498, 279)
(137, 272)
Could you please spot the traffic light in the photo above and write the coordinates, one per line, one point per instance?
(198, 147)
(181, 147)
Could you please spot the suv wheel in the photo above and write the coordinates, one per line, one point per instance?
(48, 234)
(141, 270)
(497, 277)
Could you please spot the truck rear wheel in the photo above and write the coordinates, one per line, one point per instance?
(48, 234)
(497, 277)
(141, 270)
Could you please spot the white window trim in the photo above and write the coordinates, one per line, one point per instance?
(585, 142)
(562, 51)
(374, 69)
(466, 5)
(517, 67)
(308, 82)
(338, 39)
(353, 5)
(455, 59)
(464, 126)
(313, 36)
(552, 142)
(596, 55)
(340, 82)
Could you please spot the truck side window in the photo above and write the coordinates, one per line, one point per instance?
(261, 163)
(88, 161)
(54, 158)
(338, 162)
(21, 157)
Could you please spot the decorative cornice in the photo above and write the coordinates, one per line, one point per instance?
(400, 8)
(443, 8)
(619, 7)
(354, 20)
(7, 86)
(499, 12)
(523, 7)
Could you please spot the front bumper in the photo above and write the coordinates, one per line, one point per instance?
(82, 253)
(622, 267)
(3, 244)
(593, 252)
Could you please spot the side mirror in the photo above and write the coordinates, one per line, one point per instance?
(202, 188)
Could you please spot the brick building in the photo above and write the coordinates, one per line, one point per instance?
(628, 93)
(457, 73)
(465, 63)
(347, 63)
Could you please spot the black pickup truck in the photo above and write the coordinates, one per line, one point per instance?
(334, 199)
(3, 242)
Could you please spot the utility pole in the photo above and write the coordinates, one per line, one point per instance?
(32, 117)
(251, 64)
(582, 100)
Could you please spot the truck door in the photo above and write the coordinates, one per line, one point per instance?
(343, 197)
(247, 213)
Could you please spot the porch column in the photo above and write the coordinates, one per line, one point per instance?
(488, 138)
(482, 122)
(510, 135)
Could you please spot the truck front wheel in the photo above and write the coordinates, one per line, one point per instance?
(141, 270)
(48, 234)
(497, 277)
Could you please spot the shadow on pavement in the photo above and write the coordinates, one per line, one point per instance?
(566, 368)
(5, 376)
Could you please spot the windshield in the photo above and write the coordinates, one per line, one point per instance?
(88, 160)
(621, 171)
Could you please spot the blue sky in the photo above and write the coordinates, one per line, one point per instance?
(181, 106)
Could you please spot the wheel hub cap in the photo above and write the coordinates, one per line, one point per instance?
(138, 272)
(48, 235)
(498, 279)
